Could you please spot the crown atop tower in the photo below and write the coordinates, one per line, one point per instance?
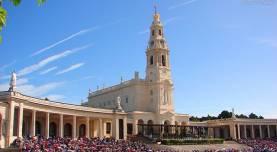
(156, 16)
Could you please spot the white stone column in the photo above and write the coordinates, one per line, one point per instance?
(95, 128)
(74, 128)
(20, 119)
(100, 127)
(47, 125)
(87, 127)
(33, 123)
(245, 133)
(135, 127)
(115, 131)
(211, 132)
(261, 132)
(61, 126)
(238, 131)
(11, 119)
(125, 128)
(252, 132)
(268, 131)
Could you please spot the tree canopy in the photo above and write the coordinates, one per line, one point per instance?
(3, 13)
(224, 115)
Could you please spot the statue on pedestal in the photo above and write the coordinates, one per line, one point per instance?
(118, 104)
(13, 82)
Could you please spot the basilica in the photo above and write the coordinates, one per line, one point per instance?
(140, 106)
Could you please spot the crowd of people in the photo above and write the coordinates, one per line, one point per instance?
(35, 144)
(40, 144)
(261, 145)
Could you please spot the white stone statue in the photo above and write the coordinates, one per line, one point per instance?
(233, 113)
(118, 103)
(13, 82)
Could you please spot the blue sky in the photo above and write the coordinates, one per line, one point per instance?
(223, 52)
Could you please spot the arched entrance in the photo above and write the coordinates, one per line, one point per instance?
(82, 130)
(140, 127)
(52, 129)
(176, 128)
(67, 130)
(150, 127)
(38, 128)
(183, 129)
(166, 127)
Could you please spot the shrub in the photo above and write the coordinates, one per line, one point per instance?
(191, 141)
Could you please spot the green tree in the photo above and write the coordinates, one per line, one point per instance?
(242, 116)
(261, 117)
(225, 114)
(3, 13)
(253, 116)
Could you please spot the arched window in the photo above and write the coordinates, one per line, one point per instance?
(160, 32)
(163, 60)
(82, 130)
(150, 128)
(67, 130)
(152, 43)
(166, 127)
(140, 127)
(38, 128)
(151, 60)
(108, 128)
(162, 43)
(151, 92)
(52, 129)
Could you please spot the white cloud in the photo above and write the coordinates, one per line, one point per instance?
(3, 67)
(55, 97)
(22, 81)
(40, 90)
(271, 42)
(71, 68)
(143, 32)
(44, 62)
(5, 86)
(184, 3)
(48, 70)
(84, 31)
(169, 20)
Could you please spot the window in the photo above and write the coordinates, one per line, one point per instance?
(108, 128)
(126, 99)
(151, 92)
(152, 43)
(160, 32)
(129, 128)
(163, 60)
(153, 32)
(162, 43)
(151, 60)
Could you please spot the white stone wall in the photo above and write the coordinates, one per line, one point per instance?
(134, 97)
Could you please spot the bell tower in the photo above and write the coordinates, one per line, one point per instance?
(158, 73)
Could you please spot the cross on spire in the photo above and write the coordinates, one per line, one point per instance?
(155, 8)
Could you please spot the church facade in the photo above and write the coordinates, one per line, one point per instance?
(134, 107)
(149, 99)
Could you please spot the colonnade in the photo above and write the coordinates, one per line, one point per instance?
(94, 126)
(245, 131)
